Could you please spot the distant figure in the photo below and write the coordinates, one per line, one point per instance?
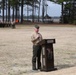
(13, 24)
(36, 38)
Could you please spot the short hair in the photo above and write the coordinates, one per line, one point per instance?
(36, 26)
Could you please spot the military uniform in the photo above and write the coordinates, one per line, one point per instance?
(36, 38)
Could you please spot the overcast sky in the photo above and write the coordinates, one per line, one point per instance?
(53, 9)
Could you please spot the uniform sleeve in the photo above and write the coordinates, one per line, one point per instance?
(41, 36)
(32, 38)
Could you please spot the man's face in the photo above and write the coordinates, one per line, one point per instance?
(36, 30)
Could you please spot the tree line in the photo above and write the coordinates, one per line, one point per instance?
(15, 5)
(68, 9)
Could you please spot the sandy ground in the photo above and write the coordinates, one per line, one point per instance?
(16, 49)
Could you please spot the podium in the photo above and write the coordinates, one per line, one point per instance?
(47, 60)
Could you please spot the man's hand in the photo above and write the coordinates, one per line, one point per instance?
(37, 37)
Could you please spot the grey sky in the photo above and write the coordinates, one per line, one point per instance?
(53, 9)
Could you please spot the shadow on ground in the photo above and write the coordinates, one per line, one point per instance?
(64, 66)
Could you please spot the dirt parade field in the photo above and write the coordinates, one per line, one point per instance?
(16, 49)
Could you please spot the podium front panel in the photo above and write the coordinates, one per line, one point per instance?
(47, 55)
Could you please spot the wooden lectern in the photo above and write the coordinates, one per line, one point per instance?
(47, 62)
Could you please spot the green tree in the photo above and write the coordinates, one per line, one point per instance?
(2, 3)
(22, 3)
(8, 10)
(15, 6)
(39, 10)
